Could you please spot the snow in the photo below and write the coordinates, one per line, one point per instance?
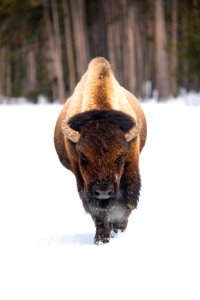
(46, 239)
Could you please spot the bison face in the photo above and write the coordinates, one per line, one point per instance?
(101, 152)
(101, 141)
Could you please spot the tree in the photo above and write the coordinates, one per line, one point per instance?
(31, 67)
(45, 45)
(161, 56)
(113, 21)
(129, 60)
(55, 52)
(69, 38)
(174, 37)
(80, 36)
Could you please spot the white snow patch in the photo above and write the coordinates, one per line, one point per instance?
(46, 239)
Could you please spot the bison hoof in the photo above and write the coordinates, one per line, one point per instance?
(101, 241)
(121, 226)
(115, 230)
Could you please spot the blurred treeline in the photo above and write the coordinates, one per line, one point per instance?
(152, 45)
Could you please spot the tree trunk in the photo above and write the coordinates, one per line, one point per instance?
(184, 64)
(129, 67)
(2, 73)
(109, 11)
(161, 57)
(174, 49)
(50, 49)
(8, 72)
(196, 16)
(54, 50)
(139, 56)
(80, 36)
(149, 56)
(96, 28)
(31, 69)
(5, 74)
(58, 51)
(115, 36)
(69, 45)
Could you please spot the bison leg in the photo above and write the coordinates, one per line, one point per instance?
(120, 226)
(130, 186)
(103, 232)
(122, 222)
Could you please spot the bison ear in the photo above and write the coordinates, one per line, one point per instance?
(133, 133)
(70, 133)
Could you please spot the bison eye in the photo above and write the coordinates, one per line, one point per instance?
(120, 160)
(84, 160)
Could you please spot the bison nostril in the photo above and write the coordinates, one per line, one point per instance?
(96, 193)
(102, 191)
(110, 193)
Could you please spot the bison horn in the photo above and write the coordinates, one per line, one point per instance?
(70, 133)
(133, 132)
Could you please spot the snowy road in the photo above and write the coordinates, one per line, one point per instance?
(46, 239)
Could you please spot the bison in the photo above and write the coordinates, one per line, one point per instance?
(99, 135)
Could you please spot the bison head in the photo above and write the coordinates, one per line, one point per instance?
(101, 139)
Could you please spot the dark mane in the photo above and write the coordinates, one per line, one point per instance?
(120, 119)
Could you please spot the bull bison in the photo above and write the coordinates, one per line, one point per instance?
(99, 135)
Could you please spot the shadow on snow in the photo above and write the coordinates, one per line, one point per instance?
(69, 239)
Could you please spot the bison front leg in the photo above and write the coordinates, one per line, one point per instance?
(130, 191)
(130, 187)
(103, 231)
(119, 216)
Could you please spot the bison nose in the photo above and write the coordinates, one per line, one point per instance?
(103, 191)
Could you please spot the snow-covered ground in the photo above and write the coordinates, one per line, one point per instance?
(46, 239)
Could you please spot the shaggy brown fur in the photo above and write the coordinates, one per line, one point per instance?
(100, 143)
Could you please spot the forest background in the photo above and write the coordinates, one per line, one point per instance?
(152, 45)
